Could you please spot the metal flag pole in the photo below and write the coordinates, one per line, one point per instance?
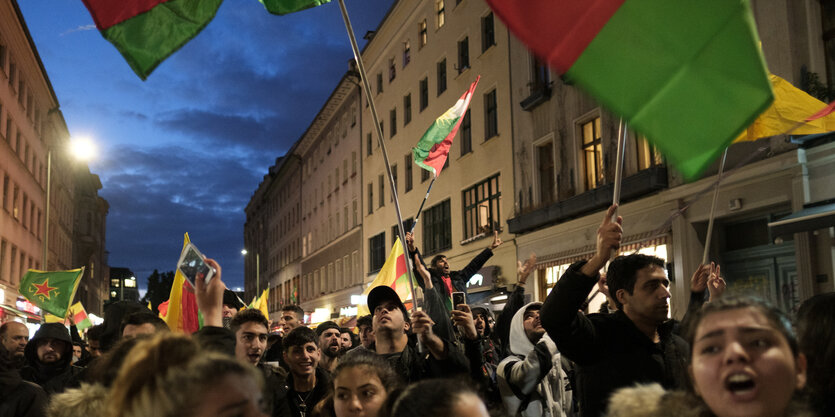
(622, 129)
(420, 209)
(382, 143)
(713, 207)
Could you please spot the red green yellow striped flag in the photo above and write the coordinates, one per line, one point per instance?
(432, 150)
(146, 32)
(394, 274)
(79, 316)
(289, 6)
(687, 74)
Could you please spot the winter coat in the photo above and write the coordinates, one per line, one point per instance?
(18, 398)
(86, 400)
(652, 400)
(412, 365)
(608, 349)
(275, 390)
(53, 377)
(531, 380)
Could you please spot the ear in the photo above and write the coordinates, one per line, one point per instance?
(693, 381)
(621, 296)
(800, 364)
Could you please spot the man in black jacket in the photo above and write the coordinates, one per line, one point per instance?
(49, 358)
(633, 345)
(18, 398)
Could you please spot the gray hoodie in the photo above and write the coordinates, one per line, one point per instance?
(531, 379)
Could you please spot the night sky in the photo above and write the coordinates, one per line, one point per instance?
(185, 150)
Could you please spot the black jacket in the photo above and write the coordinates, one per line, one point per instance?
(296, 401)
(413, 366)
(18, 398)
(609, 350)
(53, 377)
(459, 278)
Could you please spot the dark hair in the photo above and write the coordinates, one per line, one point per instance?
(105, 369)
(816, 334)
(373, 363)
(779, 320)
(4, 328)
(343, 330)
(435, 260)
(623, 272)
(299, 336)
(143, 317)
(248, 315)
(430, 397)
(95, 332)
(364, 321)
(295, 309)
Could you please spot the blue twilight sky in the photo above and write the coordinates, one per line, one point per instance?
(185, 150)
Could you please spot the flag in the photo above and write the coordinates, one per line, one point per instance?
(432, 150)
(289, 6)
(394, 274)
(51, 291)
(181, 308)
(260, 303)
(146, 32)
(823, 112)
(689, 75)
(79, 316)
(790, 113)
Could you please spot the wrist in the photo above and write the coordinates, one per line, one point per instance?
(592, 267)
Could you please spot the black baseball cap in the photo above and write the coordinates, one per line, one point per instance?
(383, 293)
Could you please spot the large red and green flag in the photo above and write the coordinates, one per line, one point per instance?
(432, 150)
(289, 6)
(394, 274)
(687, 74)
(146, 32)
(51, 291)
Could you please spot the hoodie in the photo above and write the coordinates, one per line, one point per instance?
(18, 398)
(531, 379)
(53, 377)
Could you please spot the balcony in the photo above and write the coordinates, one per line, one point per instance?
(644, 182)
(539, 94)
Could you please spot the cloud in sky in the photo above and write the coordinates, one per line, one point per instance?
(185, 150)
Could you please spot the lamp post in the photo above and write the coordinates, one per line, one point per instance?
(81, 149)
(257, 271)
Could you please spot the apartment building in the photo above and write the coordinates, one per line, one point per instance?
(89, 231)
(565, 145)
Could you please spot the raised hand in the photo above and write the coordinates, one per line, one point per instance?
(427, 278)
(410, 241)
(496, 240)
(463, 318)
(716, 285)
(609, 235)
(210, 296)
(698, 282)
(524, 270)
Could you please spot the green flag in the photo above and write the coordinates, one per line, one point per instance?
(51, 291)
(281, 7)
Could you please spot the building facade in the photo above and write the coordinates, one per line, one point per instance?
(123, 285)
(564, 146)
(90, 215)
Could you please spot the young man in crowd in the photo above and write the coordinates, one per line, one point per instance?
(142, 323)
(330, 344)
(366, 331)
(14, 336)
(292, 316)
(635, 343)
(391, 325)
(346, 339)
(307, 383)
(49, 359)
(531, 379)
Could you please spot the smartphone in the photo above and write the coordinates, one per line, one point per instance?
(458, 297)
(193, 264)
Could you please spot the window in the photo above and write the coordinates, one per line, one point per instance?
(393, 122)
(392, 70)
(481, 207)
(424, 175)
(353, 116)
(115, 282)
(353, 163)
(592, 154)
(407, 109)
(345, 219)
(441, 76)
(379, 82)
(376, 252)
(382, 130)
(345, 170)
(368, 147)
(370, 197)
(355, 212)
(6, 193)
(540, 75)
(466, 134)
(394, 177)
(545, 164)
(648, 156)
(15, 208)
(407, 50)
(130, 283)
(382, 190)
(463, 54)
(407, 173)
(424, 95)
(488, 32)
(437, 228)
(439, 13)
(491, 117)
(395, 231)
(422, 33)
(3, 276)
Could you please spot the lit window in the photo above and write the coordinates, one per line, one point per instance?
(592, 154)
(482, 207)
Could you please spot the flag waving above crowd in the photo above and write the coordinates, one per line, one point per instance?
(51, 291)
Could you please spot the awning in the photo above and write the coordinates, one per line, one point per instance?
(20, 313)
(819, 216)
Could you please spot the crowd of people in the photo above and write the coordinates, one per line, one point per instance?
(728, 356)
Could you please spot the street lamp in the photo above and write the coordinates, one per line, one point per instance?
(81, 149)
(257, 271)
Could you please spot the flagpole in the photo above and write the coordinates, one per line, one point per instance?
(420, 209)
(713, 207)
(621, 150)
(382, 143)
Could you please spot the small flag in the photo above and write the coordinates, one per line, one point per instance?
(51, 291)
(146, 32)
(281, 7)
(394, 274)
(79, 316)
(181, 314)
(689, 75)
(432, 150)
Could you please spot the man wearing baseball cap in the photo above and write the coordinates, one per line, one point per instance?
(391, 324)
